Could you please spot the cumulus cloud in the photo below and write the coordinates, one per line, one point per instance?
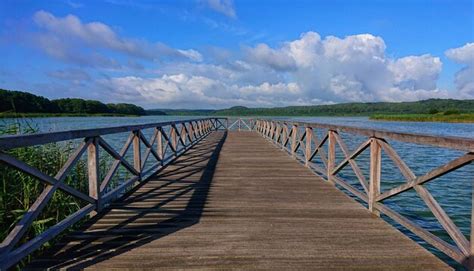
(225, 7)
(353, 68)
(303, 71)
(275, 59)
(68, 38)
(464, 78)
(416, 72)
(193, 91)
(307, 70)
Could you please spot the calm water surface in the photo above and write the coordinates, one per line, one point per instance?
(453, 191)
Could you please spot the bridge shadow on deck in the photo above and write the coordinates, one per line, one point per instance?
(169, 202)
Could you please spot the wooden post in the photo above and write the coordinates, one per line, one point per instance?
(283, 136)
(137, 158)
(174, 139)
(93, 173)
(375, 170)
(294, 136)
(183, 134)
(309, 134)
(272, 130)
(227, 124)
(159, 145)
(331, 155)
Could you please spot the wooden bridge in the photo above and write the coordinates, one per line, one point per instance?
(242, 194)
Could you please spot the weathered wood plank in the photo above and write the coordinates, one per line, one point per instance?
(234, 205)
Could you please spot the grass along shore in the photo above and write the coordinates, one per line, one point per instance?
(459, 118)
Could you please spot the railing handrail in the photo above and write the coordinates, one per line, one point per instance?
(24, 140)
(452, 142)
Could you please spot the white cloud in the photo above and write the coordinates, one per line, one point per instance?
(464, 54)
(180, 90)
(304, 71)
(309, 69)
(416, 72)
(273, 58)
(69, 39)
(225, 7)
(464, 78)
(354, 68)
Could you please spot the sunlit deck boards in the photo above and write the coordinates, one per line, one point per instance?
(258, 209)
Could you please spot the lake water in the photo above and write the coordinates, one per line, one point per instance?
(453, 191)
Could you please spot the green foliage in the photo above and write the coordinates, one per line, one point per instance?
(23, 102)
(155, 112)
(182, 112)
(17, 101)
(344, 109)
(126, 109)
(69, 105)
(433, 111)
(356, 109)
(452, 112)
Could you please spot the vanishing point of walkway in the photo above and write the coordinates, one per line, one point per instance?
(235, 201)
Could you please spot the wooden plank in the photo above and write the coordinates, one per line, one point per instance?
(243, 204)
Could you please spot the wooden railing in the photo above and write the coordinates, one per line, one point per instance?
(300, 140)
(240, 124)
(168, 141)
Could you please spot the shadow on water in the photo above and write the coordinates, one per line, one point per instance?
(171, 201)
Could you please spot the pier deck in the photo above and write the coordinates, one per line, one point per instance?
(235, 201)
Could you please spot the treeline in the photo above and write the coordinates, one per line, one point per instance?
(431, 106)
(24, 102)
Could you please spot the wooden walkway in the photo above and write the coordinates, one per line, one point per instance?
(235, 201)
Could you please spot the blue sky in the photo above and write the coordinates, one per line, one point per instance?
(220, 53)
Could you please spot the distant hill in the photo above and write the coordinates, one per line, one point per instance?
(430, 106)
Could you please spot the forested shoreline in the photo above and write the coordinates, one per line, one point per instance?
(19, 102)
(431, 106)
